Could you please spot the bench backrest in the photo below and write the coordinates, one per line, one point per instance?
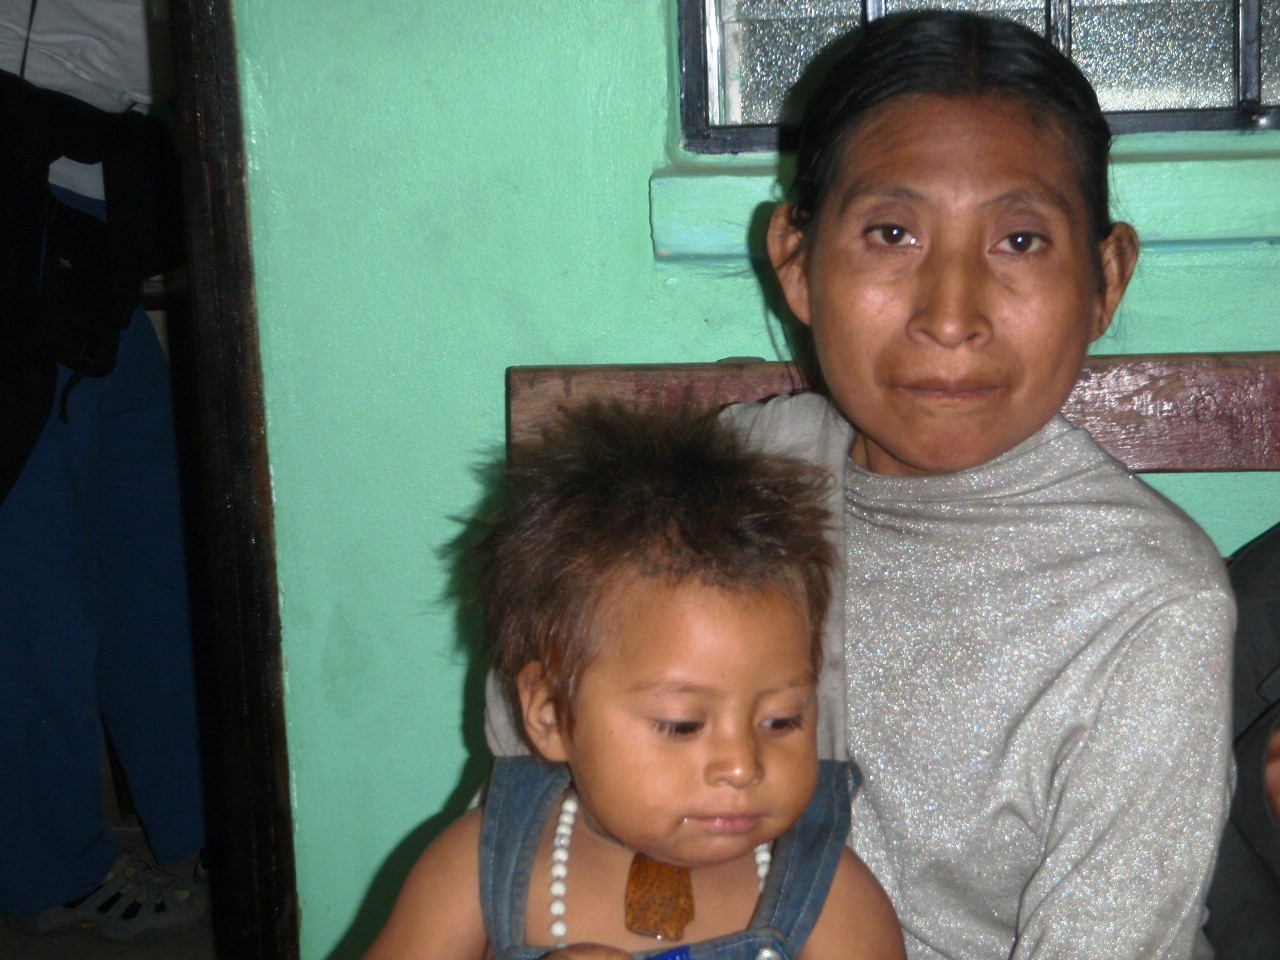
(1156, 413)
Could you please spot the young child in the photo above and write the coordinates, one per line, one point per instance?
(654, 594)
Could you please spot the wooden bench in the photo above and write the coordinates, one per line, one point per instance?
(1156, 413)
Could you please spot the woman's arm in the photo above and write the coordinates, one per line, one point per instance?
(857, 921)
(438, 911)
(1138, 802)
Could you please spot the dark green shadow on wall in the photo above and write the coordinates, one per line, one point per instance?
(469, 633)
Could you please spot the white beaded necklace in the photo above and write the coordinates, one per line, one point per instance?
(560, 865)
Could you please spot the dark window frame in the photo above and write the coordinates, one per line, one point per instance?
(699, 135)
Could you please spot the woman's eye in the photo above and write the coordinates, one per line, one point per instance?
(1021, 243)
(784, 724)
(677, 729)
(891, 235)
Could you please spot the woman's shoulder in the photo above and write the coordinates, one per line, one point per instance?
(803, 425)
(1126, 514)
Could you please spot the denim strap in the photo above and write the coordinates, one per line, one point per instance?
(521, 800)
(518, 804)
(806, 856)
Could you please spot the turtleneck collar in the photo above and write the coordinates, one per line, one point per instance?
(1035, 462)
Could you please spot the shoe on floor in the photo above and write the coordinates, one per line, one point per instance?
(137, 900)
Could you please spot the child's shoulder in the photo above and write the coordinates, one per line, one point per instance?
(857, 921)
(461, 838)
(439, 899)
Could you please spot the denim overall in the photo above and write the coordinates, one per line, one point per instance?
(523, 795)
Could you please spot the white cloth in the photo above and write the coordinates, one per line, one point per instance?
(1037, 657)
(112, 54)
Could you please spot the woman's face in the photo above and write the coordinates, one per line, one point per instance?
(951, 281)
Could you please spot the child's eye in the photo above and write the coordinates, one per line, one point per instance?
(891, 235)
(1021, 242)
(784, 724)
(677, 729)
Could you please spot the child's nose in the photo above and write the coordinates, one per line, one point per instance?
(950, 309)
(735, 760)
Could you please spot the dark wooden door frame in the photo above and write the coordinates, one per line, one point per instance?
(218, 388)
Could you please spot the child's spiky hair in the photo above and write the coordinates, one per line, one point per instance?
(612, 492)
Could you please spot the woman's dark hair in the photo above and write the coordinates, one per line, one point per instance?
(945, 53)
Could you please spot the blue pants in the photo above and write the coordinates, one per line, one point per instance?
(94, 629)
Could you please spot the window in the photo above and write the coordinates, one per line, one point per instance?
(1156, 64)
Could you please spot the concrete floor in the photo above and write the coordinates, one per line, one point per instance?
(194, 944)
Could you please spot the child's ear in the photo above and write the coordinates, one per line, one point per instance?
(1118, 253)
(786, 252)
(538, 711)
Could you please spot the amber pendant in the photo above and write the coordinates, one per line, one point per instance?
(659, 898)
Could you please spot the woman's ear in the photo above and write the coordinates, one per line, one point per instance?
(785, 244)
(1118, 254)
(538, 711)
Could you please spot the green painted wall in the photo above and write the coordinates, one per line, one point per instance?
(440, 190)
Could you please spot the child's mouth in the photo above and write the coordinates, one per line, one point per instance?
(731, 825)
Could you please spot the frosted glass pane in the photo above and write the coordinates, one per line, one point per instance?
(1271, 52)
(1028, 14)
(1156, 56)
(764, 46)
(1139, 54)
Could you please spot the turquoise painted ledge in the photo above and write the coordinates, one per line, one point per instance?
(709, 216)
(1228, 195)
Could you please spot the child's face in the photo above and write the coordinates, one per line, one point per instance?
(694, 727)
(951, 281)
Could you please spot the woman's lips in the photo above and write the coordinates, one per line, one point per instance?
(941, 391)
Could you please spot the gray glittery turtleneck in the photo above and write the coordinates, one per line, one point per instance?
(1030, 662)
(1037, 660)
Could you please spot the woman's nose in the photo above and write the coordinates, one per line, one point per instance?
(950, 309)
(735, 760)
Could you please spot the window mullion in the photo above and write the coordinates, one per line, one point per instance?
(1057, 14)
(1249, 53)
